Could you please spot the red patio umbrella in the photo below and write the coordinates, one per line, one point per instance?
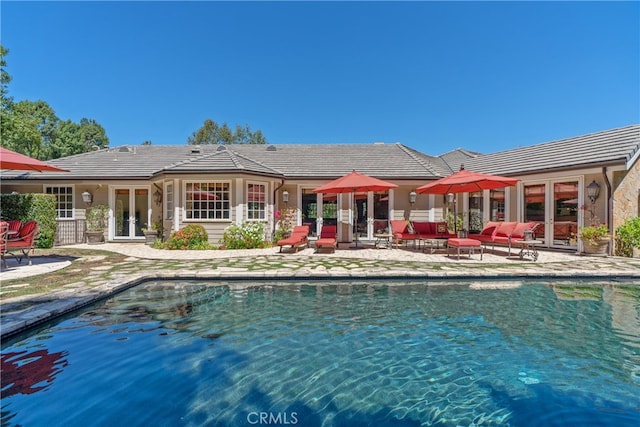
(465, 181)
(15, 161)
(352, 183)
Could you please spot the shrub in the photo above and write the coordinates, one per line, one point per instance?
(284, 223)
(248, 235)
(193, 236)
(38, 207)
(628, 237)
(97, 218)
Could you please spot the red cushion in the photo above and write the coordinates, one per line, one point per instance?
(490, 228)
(505, 229)
(518, 231)
(441, 228)
(469, 243)
(398, 226)
(328, 231)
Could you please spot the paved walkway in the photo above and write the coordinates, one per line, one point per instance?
(145, 263)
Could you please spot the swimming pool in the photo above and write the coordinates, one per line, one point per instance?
(334, 354)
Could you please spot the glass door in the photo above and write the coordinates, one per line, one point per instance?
(131, 212)
(535, 208)
(554, 205)
(565, 214)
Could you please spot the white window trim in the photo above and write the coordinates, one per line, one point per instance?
(168, 214)
(73, 200)
(246, 210)
(185, 219)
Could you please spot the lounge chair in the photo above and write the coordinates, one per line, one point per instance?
(4, 228)
(298, 238)
(327, 239)
(24, 242)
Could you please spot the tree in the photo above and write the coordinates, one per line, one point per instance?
(32, 127)
(212, 133)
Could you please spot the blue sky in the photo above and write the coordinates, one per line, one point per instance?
(485, 76)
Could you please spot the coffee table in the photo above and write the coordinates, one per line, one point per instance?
(433, 244)
(383, 240)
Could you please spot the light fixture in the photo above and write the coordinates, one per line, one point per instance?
(157, 197)
(87, 197)
(285, 196)
(412, 197)
(593, 191)
(451, 198)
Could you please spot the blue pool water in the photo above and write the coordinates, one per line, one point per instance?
(329, 354)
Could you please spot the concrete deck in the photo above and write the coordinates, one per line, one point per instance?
(144, 263)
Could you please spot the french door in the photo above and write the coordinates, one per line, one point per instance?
(555, 205)
(131, 212)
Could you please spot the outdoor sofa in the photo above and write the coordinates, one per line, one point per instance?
(405, 231)
(497, 233)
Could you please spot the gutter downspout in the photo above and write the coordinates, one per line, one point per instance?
(275, 191)
(609, 213)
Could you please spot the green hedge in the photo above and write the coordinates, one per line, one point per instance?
(27, 207)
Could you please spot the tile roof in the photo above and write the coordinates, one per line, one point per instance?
(286, 160)
(612, 146)
(329, 161)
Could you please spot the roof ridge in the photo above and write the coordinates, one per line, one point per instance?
(428, 166)
(235, 153)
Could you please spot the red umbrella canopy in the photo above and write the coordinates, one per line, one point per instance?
(353, 182)
(465, 181)
(15, 161)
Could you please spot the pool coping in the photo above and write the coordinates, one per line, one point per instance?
(65, 302)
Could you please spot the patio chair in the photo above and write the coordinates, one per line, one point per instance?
(299, 238)
(24, 242)
(327, 239)
(4, 228)
(14, 228)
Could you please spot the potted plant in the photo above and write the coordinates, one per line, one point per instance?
(153, 233)
(595, 237)
(97, 223)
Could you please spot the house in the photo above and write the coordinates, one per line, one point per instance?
(217, 185)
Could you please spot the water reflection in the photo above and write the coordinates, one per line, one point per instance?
(29, 372)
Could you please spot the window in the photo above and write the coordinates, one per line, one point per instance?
(168, 191)
(64, 200)
(256, 201)
(496, 198)
(208, 200)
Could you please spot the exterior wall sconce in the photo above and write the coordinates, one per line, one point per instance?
(87, 197)
(285, 197)
(157, 197)
(593, 191)
(412, 197)
(451, 198)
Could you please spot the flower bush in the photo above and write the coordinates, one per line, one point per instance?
(284, 223)
(594, 232)
(193, 236)
(628, 237)
(248, 235)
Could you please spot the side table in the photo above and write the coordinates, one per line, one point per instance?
(528, 248)
(383, 240)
